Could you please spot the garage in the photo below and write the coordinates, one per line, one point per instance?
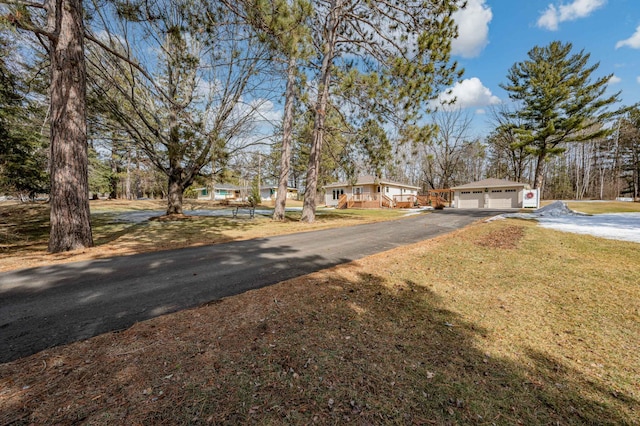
(471, 199)
(503, 198)
(489, 194)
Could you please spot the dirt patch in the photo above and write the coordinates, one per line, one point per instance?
(506, 238)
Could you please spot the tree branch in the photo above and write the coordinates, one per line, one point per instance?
(24, 3)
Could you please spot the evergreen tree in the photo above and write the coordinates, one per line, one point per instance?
(186, 108)
(629, 153)
(283, 26)
(23, 150)
(59, 25)
(558, 101)
(396, 55)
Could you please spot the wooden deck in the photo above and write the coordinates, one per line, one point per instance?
(436, 198)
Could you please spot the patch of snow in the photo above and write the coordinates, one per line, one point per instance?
(411, 212)
(615, 226)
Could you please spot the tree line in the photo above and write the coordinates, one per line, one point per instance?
(150, 98)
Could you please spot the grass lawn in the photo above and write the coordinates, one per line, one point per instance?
(24, 229)
(597, 207)
(499, 323)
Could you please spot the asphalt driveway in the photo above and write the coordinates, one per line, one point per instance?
(59, 304)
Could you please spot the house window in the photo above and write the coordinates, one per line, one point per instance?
(509, 190)
(337, 193)
(386, 188)
(477, 192)
(378, 188)
(496, 190)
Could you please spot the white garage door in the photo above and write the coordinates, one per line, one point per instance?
(503, 198)
(471, 199)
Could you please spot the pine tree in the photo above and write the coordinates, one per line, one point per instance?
(23, 150)
(558, 101)
(397, 53)
(60, 26)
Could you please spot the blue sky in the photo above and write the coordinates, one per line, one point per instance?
(495, 34)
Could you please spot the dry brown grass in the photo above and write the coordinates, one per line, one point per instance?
(500, 323)
(24, 230)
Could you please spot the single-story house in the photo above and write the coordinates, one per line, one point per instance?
(271, 192)
(222, 192)
(489, 194)
(370, 192)
(234, 192)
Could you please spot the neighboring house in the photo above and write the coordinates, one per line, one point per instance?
(234, 192)
(489, 194)
(271, 192)
(222, 192)
(369, 192)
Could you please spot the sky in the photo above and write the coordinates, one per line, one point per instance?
(495, 34)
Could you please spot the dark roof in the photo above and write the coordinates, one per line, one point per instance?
(370, 180)
(491, 183)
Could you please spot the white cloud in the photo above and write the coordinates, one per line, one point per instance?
(638, 79)
(266, 111)
(468, 93)
(473, 29)
(614, 79)
(577, 9)
(632, 42)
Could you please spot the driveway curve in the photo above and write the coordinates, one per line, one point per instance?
(59, 304)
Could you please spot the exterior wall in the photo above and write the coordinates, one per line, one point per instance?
(485, 197)
(267, 193)
(332, 195)
(225, 194)
(368, 193)
(204, 194)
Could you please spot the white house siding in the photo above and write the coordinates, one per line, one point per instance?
(390, 191)
(332, 195)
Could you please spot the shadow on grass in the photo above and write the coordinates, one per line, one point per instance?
(154, 234)
(324, 350)
(369, 354)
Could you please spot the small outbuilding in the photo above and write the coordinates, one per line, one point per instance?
(489, 194)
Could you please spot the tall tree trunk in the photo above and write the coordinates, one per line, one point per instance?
(539, 173)
(70, 215)
(113, 179)
(127, 181)
(176, 182)
(287, 133)
(311, 188)
(174, 194)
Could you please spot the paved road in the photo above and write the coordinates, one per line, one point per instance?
(59, 304)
